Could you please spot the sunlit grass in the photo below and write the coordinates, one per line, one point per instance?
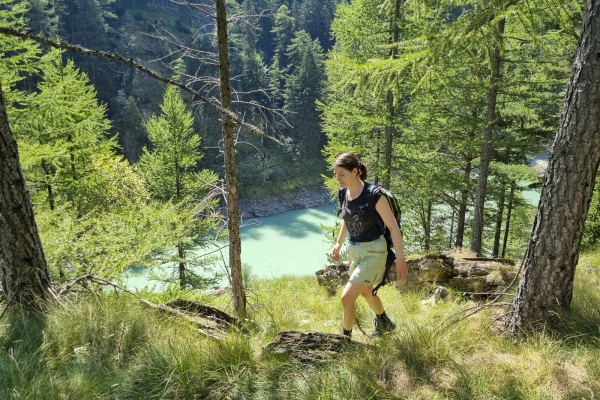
(112, 347)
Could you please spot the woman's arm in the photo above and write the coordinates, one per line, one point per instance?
(385, 212)
(335, 254)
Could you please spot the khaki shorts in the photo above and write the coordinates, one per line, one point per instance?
(367, 261)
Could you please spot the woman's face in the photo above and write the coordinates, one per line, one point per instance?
(344, 176)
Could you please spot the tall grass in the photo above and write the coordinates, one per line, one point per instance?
(111, 347)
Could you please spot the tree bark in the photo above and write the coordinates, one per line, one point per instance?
(546, 289)
(235, 249)
(511, 199)
(24, 276)
(389, 129)
(181, 254)
(428, 225)
(486, 148)
(499, 218)
(462, 210)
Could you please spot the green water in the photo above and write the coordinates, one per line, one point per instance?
(291, 243)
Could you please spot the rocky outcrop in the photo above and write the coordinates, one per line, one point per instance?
(333, 277)
(276, 204)
(471, 275)
(310, 347)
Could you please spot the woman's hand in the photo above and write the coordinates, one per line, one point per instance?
(335, 253)
(401, 268)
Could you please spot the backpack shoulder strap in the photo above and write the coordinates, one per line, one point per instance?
(370, 199)
(341, 197)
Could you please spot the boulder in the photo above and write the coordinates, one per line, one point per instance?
(481, 275)
(310, 347)
(333, 276)
(431, 268)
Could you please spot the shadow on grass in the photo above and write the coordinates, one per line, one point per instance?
(21, 355)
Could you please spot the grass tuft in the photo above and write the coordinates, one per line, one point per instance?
(111, 347)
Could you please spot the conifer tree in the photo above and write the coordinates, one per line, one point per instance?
(303, 87)
(169, 169)
(283, 31)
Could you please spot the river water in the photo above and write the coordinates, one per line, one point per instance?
(290, 243)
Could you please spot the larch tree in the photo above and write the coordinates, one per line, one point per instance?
(169, 169)
(24, 275)
(546, 288)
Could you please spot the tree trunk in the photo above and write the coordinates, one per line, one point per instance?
(233, 226)
(428, 225)
(24, 275)
(546, 289)
(486, 148)
(511, 200)
(181, 254)
(462, 210)
(499, 218)
(389, 129)
(451, 227)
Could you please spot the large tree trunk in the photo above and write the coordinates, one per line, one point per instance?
(235, 245)
(546, 288)
(486, 148)
(24, 276)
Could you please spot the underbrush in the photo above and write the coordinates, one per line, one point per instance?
(110, 346)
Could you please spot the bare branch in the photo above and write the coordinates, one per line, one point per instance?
(115, 57)
(195, 6)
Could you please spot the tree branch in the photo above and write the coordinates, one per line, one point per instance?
(129, 62)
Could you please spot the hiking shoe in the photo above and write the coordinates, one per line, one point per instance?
(347, 334)
(383, 325)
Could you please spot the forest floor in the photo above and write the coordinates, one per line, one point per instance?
(110, 346)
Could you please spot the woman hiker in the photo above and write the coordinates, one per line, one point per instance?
(367, 248)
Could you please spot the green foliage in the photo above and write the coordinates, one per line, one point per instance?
(17, 57)
(170, 172)
(438, 76)
(60, 130)
(169, 167)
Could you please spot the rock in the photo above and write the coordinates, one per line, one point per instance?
(333, 276)
(440, 293)
(482, 275)
(472, 275)
(431, 268)
(310, 347)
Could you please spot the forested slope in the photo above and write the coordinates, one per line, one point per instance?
(277, 60)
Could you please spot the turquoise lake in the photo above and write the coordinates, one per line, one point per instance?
(290, 243)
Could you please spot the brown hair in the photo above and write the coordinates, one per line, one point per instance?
(350, 161)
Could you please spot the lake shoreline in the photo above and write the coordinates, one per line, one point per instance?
(310, 197)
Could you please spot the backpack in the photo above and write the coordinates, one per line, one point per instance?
(395, 207)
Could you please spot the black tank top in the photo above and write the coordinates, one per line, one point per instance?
(361, 222)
